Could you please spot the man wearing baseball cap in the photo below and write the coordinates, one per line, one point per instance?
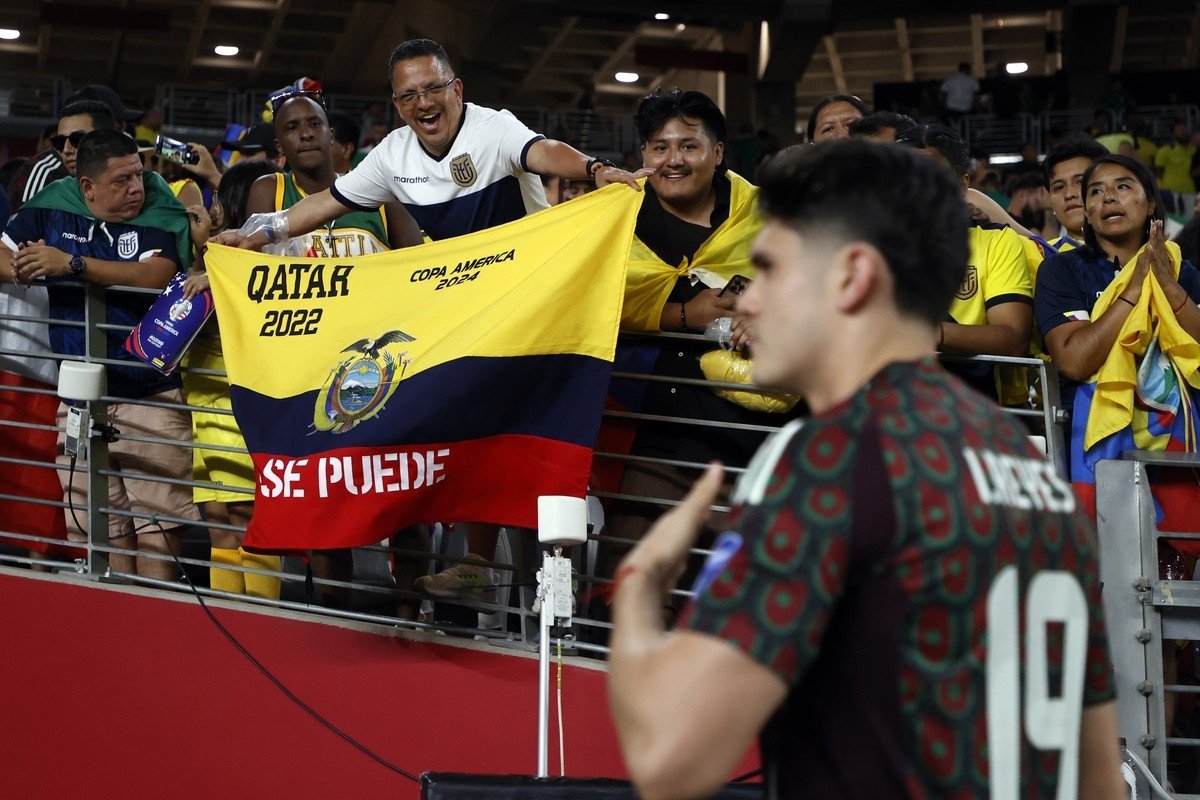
(80, 112)
(106, 95)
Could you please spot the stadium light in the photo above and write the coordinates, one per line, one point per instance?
(226, 50)
(662, 15)
(9, 33)
(1016, 67)
(626, 77)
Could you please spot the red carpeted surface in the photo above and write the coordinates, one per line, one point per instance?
(125, 693)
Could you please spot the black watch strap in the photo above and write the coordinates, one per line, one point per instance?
(595, 165)
(78, 265)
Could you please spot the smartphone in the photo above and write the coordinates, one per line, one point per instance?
(737, 284)
(174, 150)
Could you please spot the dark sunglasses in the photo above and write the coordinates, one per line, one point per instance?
(276, 99)
(60, 141)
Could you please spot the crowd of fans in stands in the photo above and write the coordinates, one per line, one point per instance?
(1052, 235)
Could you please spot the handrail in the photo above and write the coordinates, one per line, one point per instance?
(511, 613)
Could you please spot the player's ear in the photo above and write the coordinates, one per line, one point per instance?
(858, 273)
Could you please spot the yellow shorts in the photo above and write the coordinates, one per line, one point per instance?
(231, 470)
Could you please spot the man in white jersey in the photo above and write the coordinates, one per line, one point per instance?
(457, 167)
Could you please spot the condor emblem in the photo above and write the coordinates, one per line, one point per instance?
(969, 285)
(462, 169)
(127, 244)
(359, 385)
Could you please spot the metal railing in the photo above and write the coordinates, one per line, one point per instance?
(509, 619)
(992, 134)
(1143, 612)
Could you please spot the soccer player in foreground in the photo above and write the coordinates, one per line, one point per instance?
(907, 605)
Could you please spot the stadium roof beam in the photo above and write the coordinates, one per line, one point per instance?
(835, 64)
(905, 44)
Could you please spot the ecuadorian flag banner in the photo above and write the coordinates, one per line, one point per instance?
(452, 381)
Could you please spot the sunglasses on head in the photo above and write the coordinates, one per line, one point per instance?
(60, 141)
(276, 99)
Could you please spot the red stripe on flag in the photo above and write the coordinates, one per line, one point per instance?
(357, 496)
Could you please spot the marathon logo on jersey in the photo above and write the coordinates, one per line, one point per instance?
(127, 244)
(462, 170)
(414, 179)
(1018, 481)
(969, 285)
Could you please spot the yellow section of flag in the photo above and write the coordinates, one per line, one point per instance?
(549, 283)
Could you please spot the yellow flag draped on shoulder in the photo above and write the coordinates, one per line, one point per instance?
(456, 380)
(725, 253)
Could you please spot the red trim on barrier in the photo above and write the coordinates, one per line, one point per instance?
(359, 495)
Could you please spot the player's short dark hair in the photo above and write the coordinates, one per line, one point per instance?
(1144, 176)
(660, 107)
(878, 120)
(98, 147)
(102, 115)
(941, 139)
(833, 98)
(847, 189)
(417, 48)
(234, 192)
(343, 127)
(1077, 145)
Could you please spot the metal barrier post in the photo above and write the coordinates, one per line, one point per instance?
(95, 314)
(1053, 417)
(1128, 566)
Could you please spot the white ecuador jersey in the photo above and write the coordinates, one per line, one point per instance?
(483, 179)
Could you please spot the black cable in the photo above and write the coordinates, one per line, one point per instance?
(267, 673)
(84, 531)
(70, 491)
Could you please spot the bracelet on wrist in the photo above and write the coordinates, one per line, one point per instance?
(1127, 300)
(683, 317)
(1176, 311)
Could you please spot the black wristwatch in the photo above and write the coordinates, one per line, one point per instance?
(77, 264)
(594, 165)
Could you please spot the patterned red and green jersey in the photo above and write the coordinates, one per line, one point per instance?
(916, 572)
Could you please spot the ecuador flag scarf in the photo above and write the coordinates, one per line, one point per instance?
(452, 381)
(1144, 397)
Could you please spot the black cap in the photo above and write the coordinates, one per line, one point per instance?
(107, 96)
(258, 138)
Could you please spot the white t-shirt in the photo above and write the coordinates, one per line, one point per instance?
(960, 91)
(23, 336)
(483, 179)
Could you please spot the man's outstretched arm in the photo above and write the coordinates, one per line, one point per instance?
(304, 217)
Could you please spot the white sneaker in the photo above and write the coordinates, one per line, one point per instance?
(466, 581)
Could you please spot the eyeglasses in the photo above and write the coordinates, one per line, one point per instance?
(60, 141)
(276, 99)
(412, 98)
